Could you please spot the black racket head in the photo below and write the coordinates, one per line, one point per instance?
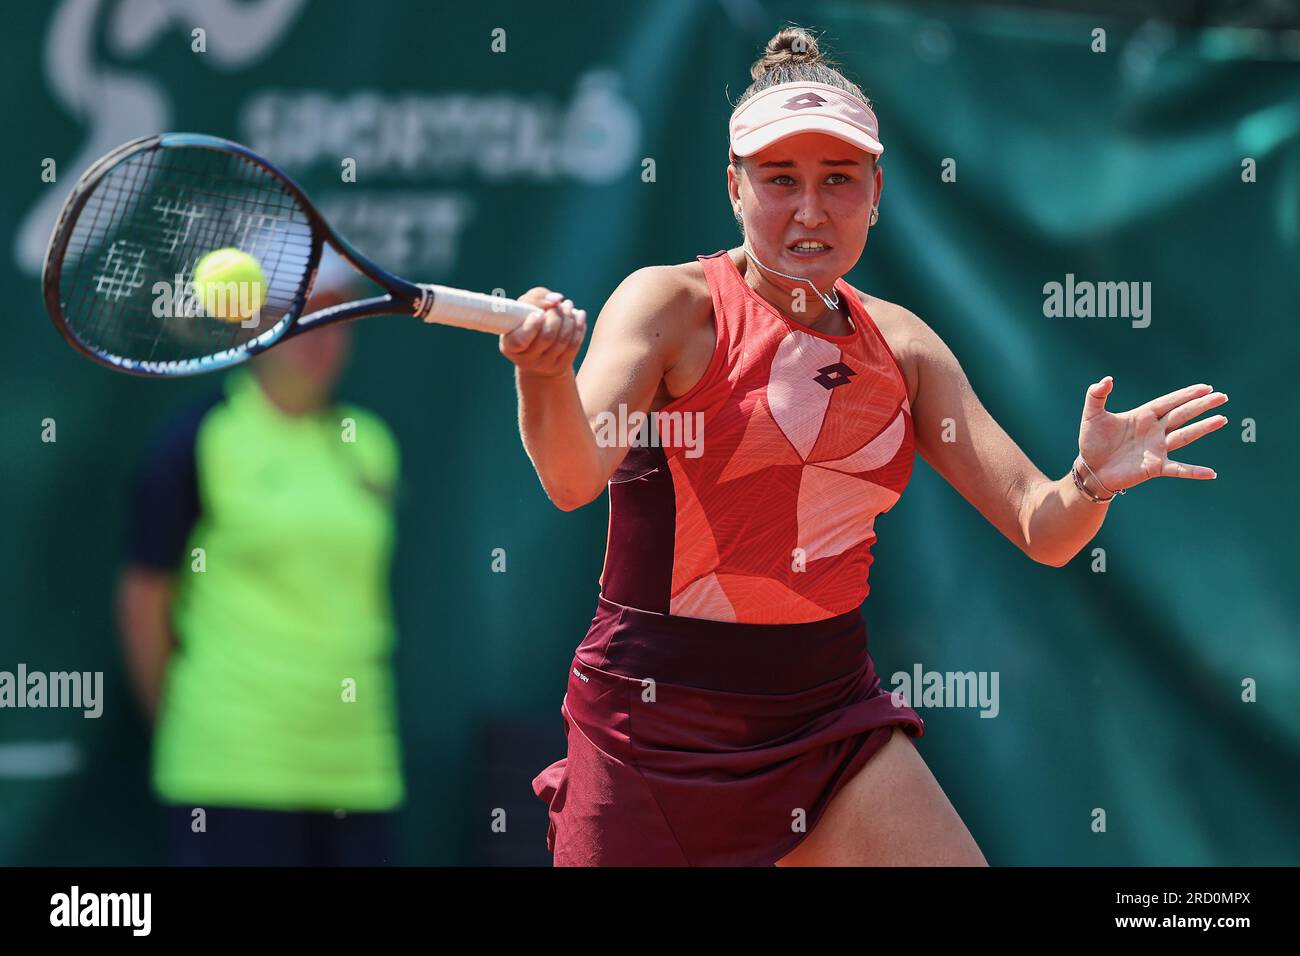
(118, 277)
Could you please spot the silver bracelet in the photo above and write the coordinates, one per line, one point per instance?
(1074, 472)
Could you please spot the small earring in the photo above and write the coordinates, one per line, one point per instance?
(875, 216)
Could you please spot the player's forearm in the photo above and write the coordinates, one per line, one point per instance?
(148, 667)
(144, 621)
(558, 438)
(1059, 520)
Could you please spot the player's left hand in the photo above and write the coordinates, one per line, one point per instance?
(1127, 448)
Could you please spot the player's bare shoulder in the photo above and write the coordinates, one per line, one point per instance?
(668, 310)
(664, 301)
(679, 294)
(906, 334)
(694, 332)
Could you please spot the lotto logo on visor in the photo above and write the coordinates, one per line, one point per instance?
(788, 109)
(803, 100)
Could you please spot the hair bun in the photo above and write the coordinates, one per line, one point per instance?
(791, 45)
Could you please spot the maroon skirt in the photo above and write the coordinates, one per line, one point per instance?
(705, 743)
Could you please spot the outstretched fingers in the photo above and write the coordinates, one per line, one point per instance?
(1165, 404)
(1188, 410)
(1177, 469)
(1179, 407)
(1188, 434)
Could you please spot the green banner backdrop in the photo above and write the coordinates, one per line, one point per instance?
(1161, 690)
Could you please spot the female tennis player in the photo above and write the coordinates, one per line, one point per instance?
(723, 708)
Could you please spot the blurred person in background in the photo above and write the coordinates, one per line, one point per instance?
(255, 614)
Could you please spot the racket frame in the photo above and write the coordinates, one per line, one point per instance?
(400, 297)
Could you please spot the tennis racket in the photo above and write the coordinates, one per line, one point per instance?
(119, 271)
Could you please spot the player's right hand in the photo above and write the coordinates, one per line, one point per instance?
(548, 340)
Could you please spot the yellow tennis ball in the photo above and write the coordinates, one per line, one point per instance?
(230, 283)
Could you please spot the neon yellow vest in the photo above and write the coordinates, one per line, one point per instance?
(280, 694)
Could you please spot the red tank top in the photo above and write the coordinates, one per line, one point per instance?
(758, 502)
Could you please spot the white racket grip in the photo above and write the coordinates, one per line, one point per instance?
(472, 310)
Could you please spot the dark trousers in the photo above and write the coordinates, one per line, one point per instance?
(235, 836)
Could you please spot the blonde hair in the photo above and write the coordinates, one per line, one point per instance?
(793, 56)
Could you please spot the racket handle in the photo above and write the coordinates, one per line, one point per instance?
(472, 310)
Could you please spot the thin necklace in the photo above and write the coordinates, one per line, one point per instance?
(832, 301)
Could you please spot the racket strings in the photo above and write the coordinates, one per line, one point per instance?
(126, 284)
(121, 269)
